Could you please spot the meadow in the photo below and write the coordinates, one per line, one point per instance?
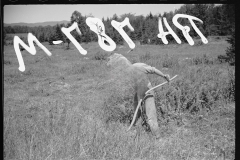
(70, 106)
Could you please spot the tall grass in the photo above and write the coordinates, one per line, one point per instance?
(68, 107)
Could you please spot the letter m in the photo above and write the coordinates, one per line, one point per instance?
(31, 48)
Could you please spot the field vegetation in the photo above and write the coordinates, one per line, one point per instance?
(70, 106)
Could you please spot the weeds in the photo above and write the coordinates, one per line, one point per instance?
(204, 59)
(170, 61)
(100, 56)
(198, 43)
(145, 57)
(88, 119)
(7, 62)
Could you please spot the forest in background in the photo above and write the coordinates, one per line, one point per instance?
(218, 20)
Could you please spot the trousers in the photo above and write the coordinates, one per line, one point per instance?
(148, 107)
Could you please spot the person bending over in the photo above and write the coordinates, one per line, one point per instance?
(138, 75)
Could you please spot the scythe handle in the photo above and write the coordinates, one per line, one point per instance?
(135, 114)
(160, 84)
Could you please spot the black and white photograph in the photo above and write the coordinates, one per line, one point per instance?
(118, 81)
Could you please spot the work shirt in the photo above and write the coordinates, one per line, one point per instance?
(145, 68)
(118, 59)
(137, 72)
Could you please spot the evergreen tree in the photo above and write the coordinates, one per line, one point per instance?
(41, 37)
(201, 11)
(133, 36)
(230, 52)
(58, 33)
(77, 17)
(66, 38)
(131, 16)
(228, 18)
(115, 17)
(113, 33)
(51, 39)
(150, 16)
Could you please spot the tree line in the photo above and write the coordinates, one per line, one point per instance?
(217, 21)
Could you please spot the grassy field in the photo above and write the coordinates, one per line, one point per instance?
(68, 106)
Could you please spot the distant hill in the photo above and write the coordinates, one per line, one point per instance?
(50, 23)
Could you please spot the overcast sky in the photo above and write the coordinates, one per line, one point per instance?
(43, 13)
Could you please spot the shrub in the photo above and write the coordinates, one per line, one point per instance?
(169, 62)
(145, 57)
(7, 62)
(229, 88)
(78, 68)
(204, 59)
(199, 43)
(100, 56)
(230, 52)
